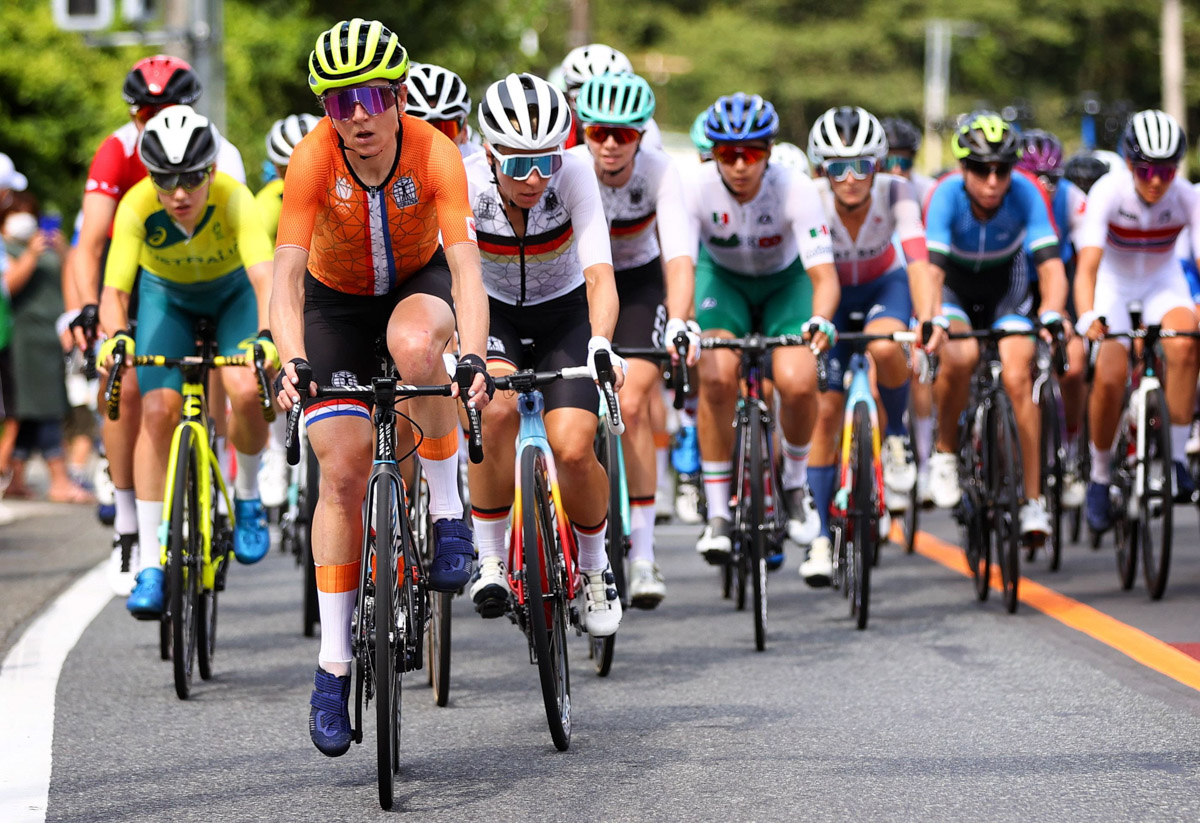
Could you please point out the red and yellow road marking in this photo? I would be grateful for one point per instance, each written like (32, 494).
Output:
(1129, 641)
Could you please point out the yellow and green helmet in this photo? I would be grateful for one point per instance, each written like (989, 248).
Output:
(353, 52)
(986, 137)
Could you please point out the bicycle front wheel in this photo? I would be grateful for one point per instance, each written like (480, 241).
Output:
(1156, 497)
(864, 521)
(1004, 473)
(1053, 457)
(546, 594)
(389, 639)
(185, 545)
(756, 556)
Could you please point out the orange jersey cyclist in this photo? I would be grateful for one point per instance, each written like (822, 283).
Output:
(358, 257)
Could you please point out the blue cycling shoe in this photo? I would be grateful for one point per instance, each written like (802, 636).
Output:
(774, 558)
(329, 714)
(146, 600)
(685, 455)
(1098, 507)
(1185, 486)
(107, 513)
(453, 555)
(251, 539)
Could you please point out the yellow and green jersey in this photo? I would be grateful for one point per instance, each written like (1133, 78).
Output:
(270, 203)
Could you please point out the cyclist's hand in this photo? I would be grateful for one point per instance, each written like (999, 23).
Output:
(1092, 325)
(483, 385)
(820, 333)
(675, 327)
(108, 348)
(270, 353)
(598, 343)
(83, 326)
(1052, 323)
(939, 336)
(286, 393)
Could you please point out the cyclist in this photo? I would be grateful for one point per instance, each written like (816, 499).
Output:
(549, 277)
(642, 196)
(151, 85)
(790, 156)
(195, 237)
(358, 257)
(700, 139)
(1084, 169)
(584, 62)
(866, 209)
(979, 226)
(1126, 252)
(440, 97)
(764, 263)
(1042, 156)
(281, 140)
(904, 141)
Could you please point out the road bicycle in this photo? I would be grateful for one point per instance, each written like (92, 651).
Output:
(295, 528)
(759, 524)
(196, 538)
(387, 627)
(543, 573)
(1050, 364)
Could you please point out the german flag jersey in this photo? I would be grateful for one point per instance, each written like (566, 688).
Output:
(564, 234)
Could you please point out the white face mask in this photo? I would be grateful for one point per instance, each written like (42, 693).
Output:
(20, 226)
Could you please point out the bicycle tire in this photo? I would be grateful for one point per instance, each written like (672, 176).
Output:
(545, 598)
(388, 673)
(1050, 406)
(739, 539)
(437, 627)
(756, 559)
(972, 510)
(911, 520)
(1126, 532)
(183, 567)
(1004, 468)
(614, 539)
(1156, 501)
(311, 494)
(864, 527)
(164, 635)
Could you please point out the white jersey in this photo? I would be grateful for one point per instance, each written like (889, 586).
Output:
(893, 212)
(922, 185)
(1185, 249)
(765, 236)
(645, 216)
(1138, 239)
(564, 234)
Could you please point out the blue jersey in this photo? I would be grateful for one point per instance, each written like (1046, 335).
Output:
(955, 236)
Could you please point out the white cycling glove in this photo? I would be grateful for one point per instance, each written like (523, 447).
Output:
(598, 343)
(674, 326)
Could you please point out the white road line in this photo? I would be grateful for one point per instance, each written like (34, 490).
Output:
(28, 685)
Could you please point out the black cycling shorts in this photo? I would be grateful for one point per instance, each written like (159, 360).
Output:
(341, 330)
(643, 318)
(559, 331)
(986, 296)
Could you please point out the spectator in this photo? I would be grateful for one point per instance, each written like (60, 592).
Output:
(34, 279)
(10, 180)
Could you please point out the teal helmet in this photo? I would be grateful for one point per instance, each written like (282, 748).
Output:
(623, 99)
(699, 138)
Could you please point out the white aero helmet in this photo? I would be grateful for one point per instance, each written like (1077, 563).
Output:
(435, 93)
(524, 112)
(1153, 136)
(285, 134)
(790, 156)
(846, 131)
(178, 139)
(585, 62)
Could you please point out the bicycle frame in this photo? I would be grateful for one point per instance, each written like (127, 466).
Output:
(623, 480)
(860, 392)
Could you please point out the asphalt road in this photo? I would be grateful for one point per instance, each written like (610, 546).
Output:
(944, 709)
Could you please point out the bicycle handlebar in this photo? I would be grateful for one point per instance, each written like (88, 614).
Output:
(607, 378)
(526, 380)
(680, 380)
(464, 375)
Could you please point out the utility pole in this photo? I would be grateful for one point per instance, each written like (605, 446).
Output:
(579, 33)
(938, 35)
(206, 37)
(1173, 63)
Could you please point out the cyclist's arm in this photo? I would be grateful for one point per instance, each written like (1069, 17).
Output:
(827, 289)
(1087, 263)
(1090, 242)
(302, 199)
(98, 212)
(595, 251)
(1041, 242)
(911, 231)
(114, 310)
(120, 270)
(287, 302)
(673, 237)
(470, 298)
(807, 216)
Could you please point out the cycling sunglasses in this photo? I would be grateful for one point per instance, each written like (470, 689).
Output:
(1148, 171)
(142, 114)
(838, 170)
(985, 170)
(621, 135)
(451, 128)
(727, 155)
(374, 99)
(521, 166)
(895, 161)
(188, 180)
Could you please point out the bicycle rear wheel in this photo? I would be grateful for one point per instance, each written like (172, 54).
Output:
(546, 594)
(183, 562)
(1004, 473)
(911, 520)
(308, 503)
(864, 527)
(972, 509)
(755, 559)
(1126, 532)
(389, 639)
(1156, 500)
(1053, 457)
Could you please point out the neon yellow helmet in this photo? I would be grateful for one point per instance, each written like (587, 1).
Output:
(353, 52)
(986, 137)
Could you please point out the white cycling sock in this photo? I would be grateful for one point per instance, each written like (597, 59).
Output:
(717, 479)
(442, 476)
(336, 609)
(126, 503)
(592, 555)
(1101, 464)
(1179, 439)
(641, 531)
(795, 464)
(149, 518)
(245, 485)
(490, 525)
(923, 434)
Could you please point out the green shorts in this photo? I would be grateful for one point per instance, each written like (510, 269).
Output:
(780, 302)
(167, 316)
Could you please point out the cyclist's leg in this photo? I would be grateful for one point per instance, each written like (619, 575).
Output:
(1170, 304)
(1016, 357)
(1106, 403)
(418, 331)
(956, 363)
(826, 438)
(722, 310)
(889, 308)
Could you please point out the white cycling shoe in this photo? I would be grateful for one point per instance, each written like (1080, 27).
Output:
(1034, 519)
(602, 606)
(943, 480)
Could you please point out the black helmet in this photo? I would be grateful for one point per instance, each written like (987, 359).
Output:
(901, 134)
(1084, 169)
(986, 137)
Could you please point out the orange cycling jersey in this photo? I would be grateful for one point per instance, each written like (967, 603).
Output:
(366, 239)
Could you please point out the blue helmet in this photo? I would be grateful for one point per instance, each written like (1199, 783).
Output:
(741, 116)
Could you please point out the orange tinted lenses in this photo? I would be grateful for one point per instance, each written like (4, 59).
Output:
(620, 134)
(729, 155)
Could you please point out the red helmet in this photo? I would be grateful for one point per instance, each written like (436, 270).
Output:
(161, 80)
